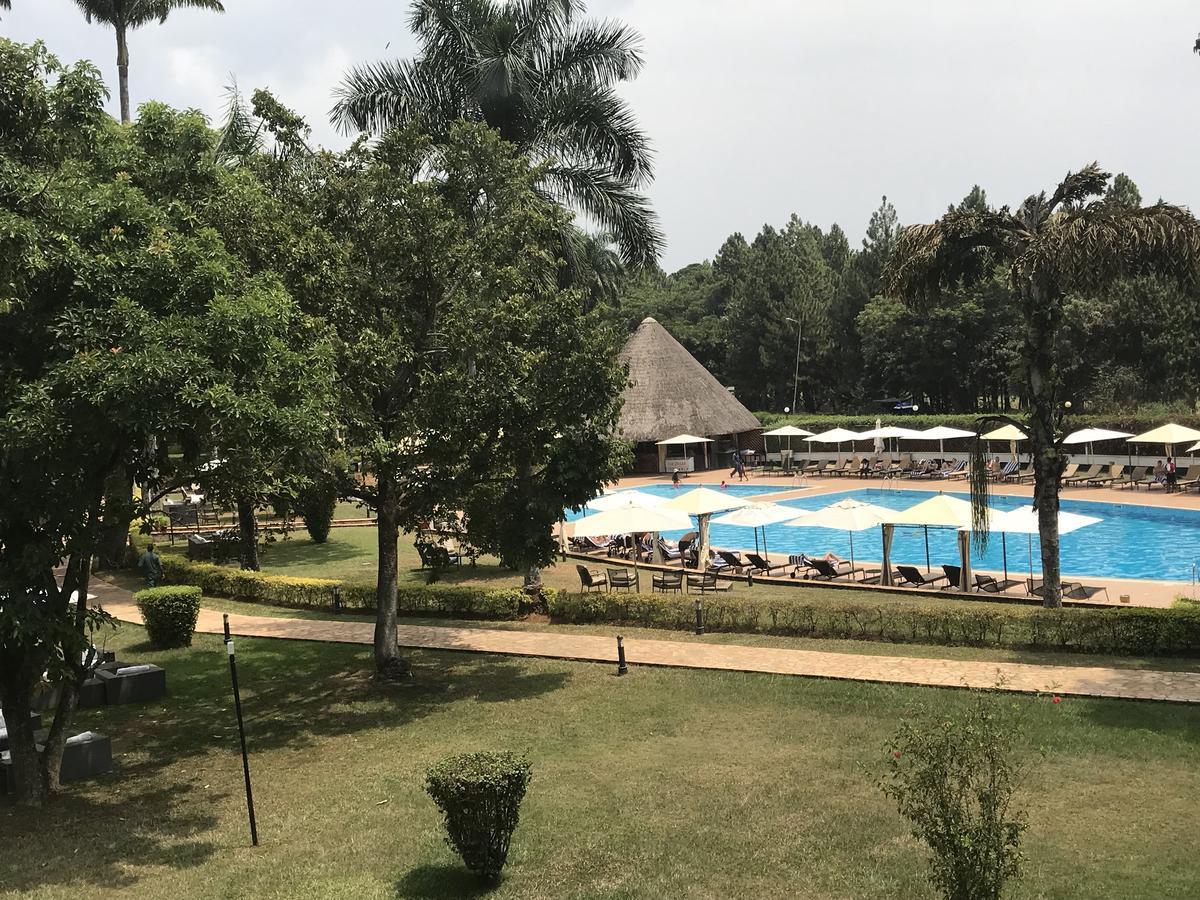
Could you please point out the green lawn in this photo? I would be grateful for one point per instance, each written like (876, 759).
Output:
(664, 783)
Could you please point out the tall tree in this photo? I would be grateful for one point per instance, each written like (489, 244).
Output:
(1123, 192)
(1050, 246)
(543, 78)
(126, 15)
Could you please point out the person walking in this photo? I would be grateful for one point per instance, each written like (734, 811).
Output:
(151, 565)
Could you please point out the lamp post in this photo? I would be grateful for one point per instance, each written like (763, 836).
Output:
(796, 372)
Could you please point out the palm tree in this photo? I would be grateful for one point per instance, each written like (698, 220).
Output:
(543, 78)
(594, 267)
(1050, 247)
(126, 15)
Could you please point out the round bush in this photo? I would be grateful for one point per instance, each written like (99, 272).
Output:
(316, 504)
(169, 614)
(480, 797)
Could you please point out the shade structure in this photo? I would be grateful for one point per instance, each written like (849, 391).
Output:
(1168, 435)
(617, 499)
(1024, 520)
(941, 434)
(628, 519)
(787, 431)
(845, 515)
(1194, 447)
(702, 503)
(834, 436)
(939, 511)
(893, 431)
(1006, 433)
(684, 439)
(1091, 435)
(757, 515)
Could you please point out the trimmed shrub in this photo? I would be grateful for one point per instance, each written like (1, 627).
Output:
(169, 614)
(316, 504)
(479, 795)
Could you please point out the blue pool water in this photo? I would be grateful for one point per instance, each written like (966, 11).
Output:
(1130, 541)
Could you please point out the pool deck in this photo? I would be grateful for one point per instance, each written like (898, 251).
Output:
(1141, 592)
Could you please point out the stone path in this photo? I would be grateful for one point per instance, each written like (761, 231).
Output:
(1137, 684)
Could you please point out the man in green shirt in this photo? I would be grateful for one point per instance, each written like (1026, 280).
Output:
(151, 565)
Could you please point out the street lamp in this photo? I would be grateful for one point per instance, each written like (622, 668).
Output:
(796, 373)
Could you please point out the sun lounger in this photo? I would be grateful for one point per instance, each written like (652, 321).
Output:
(992, 585)
(1069, 472)
(1092, 471)
(913, 577)
(1108, 476)
(953, 576)
(849, 467)
(826, 571)
(1010, 468)
(733, 560)
(1072, 590)
(1025, 470)
(761, 566)
(1132, 477)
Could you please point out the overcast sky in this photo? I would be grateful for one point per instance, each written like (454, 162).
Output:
(761, 108)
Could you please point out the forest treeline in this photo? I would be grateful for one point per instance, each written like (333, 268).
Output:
(740, 313)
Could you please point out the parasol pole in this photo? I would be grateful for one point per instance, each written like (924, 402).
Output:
(1004, 549)
(927, 567)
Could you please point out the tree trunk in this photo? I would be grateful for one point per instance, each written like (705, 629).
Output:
(388, 661)
(26, 772)
(248, 531)
(533, 574)
(123, 73)
(1041, 327)
(114, 529)
(69, 685)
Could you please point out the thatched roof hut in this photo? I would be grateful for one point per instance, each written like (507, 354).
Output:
(671, 393)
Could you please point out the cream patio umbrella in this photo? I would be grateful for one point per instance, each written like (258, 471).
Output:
(1010, 433)
(845, 515)
(939, 511)
(1024, 520)
(1168, 435)
(702, 503)
(756, 516)
(630, 518)
(685, 439)
(889, 432)
(789, 432)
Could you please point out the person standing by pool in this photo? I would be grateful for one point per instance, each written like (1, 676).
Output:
(675, 478)
(1172, 474)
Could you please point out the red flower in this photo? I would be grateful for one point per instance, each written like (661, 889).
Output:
(1057, 699)
(896, 753)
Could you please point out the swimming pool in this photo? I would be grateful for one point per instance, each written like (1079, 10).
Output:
(1130, 541)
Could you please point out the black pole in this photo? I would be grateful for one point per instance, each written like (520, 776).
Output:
(237, 703)
(699, 617)
(622, 668)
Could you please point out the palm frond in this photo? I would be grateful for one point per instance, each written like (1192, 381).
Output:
(377, 96)
(601, 52)
(585, 124)
(447, 30)
(241, 135)
(613, 204)
(953, 249)
(5, 4)
(1100, 243)
(1076, 187)
(541, 21)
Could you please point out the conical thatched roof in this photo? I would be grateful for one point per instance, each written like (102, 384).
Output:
(672, 393)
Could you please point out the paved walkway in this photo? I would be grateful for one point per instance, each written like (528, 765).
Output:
(1182, 687)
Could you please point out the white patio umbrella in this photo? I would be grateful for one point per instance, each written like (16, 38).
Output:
(1090, 435)
(1024, 520)
(890, 432)
(789, 432)
(702, 503)
(756, 516)
(834, 436)
(618, 499)
(685, 439)
(1010, 433)
(941, 434)
(845, 515)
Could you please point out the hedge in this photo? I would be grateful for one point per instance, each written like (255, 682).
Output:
(319, 593)
(1128, 631)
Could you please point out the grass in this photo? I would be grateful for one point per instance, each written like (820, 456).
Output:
(663, 783)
